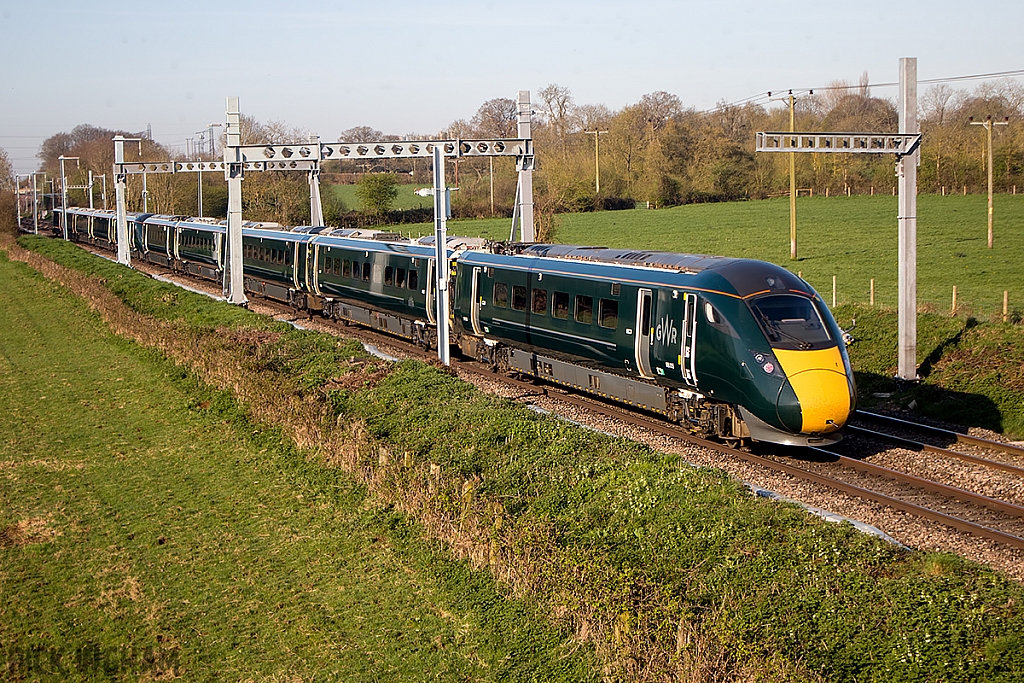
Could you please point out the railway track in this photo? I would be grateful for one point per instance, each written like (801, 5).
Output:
(987, 517)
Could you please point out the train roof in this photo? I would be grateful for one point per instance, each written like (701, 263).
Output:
(735, 276)
(692, 263)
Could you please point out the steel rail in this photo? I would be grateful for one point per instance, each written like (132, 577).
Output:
(954, 492)
(959, 436)
(928, 448)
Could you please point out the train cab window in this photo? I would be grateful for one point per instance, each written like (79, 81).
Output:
(500, 298)
(389, 275)
(366, 271)
(609, 314)
(518, 298)
(414, 279)
(584, 309)
(346, 268)
(540, 301)
(791, 321)
(400, 279)
(560, 305)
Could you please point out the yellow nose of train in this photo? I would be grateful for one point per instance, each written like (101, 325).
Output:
(822, 389)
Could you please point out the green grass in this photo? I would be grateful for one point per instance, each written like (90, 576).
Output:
(406, 199)
(666, 567)
(148, 527)
(853, 238)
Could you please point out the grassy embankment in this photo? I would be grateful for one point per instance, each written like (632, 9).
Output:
(149, 527)
(972, 364)
(662, 568)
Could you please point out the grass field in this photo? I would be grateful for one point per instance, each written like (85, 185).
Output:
(155, 524)
(149, 529)
(852, 238)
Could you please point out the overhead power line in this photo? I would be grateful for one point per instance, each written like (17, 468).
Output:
(766, 95)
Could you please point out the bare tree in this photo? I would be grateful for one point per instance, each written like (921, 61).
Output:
(6, 171)
(361, 134)
(659, 107)
(497, 118)
(557, 105)
(936, 103)
(591, 116)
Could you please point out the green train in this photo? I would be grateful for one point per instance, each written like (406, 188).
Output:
(736, 349)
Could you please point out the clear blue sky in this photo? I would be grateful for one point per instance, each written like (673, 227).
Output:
(404, 67)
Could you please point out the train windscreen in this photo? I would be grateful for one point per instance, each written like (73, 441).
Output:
(791, 322)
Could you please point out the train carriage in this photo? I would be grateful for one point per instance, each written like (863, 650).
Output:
(198, 247)
(732, 347)
(379, 280)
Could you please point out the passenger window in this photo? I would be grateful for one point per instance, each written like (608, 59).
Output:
(346, 268)
(366, 272)
(389, 275)
(560, 305)
(540, 301)
(400, 280)
(355, 270)
(262, 256)
(500, 298)
(609, 313)
(584, 309)
(337, 266)
(327, 264)
(414, 279)
(518, 298)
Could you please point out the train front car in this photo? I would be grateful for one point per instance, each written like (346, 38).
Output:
(733, 348)
(771, 347)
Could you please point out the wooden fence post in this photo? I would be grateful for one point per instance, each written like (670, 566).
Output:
(1006, 305)
(953, 310)
(872, 291)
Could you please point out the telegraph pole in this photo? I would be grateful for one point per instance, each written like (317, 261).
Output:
(792, 177)
(988, 123)
(597, 157)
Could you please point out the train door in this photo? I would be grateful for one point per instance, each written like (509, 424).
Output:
(295, 266)
(474, 315)
(312, 267)
(218, 247)
(431, 303)
(687, 362)
(642, 337)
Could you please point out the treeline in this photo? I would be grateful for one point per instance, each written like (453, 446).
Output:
(654, 151)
